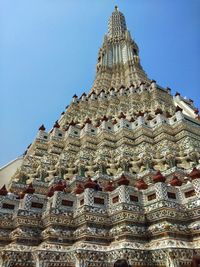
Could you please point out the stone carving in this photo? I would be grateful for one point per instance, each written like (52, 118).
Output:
(98, 186)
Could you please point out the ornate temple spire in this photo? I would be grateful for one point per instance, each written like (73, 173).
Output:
(90, 189)
(117, 24)
(118, 58)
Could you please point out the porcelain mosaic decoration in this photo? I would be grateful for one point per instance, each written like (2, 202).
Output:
(117, 176)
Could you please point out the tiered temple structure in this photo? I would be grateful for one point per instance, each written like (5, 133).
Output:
(118, 175)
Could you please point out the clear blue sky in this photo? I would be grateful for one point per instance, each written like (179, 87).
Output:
(48, 52)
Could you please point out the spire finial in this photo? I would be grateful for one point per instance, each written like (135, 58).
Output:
(116, 24)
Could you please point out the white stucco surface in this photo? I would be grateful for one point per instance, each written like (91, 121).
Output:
(7, 171)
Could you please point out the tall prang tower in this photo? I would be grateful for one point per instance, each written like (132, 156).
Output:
(118, 60)
(117, 176)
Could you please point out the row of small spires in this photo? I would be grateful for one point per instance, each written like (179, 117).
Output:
(122, 87)
(125, 89)
(123, 180)
(121, 116)
(116, 90)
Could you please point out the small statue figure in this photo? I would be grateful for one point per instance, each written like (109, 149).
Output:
(90, 168)
(112, 167)
(41, 172)
(136, 164)
(21, 177)
(159, 161)
(147, 163)
(183, 160)
(60, 170)
(51, 173)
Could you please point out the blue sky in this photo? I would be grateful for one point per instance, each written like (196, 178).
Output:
(48, 52)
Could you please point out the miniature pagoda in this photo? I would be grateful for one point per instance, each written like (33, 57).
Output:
(117, 176)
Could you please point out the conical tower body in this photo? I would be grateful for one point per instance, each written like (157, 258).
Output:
(118, 60)
(117, 176)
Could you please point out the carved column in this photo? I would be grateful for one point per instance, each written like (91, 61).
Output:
(1, 260)
(80, 261)
(196, 184)
(161, 191)
(6, 259)
(38, 260)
